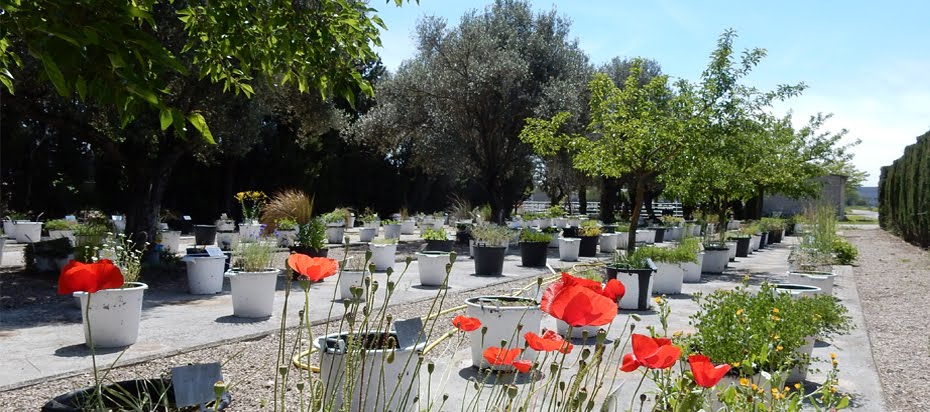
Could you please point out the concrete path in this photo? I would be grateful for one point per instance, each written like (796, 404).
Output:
(39, 344)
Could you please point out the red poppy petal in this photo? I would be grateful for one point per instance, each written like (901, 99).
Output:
(108, 276)
(466, 324)
(664, 358)
(498, 356)
(705, 373)
(662, 341)
(614, 290)
(542, 343)
(76, 279)
(630, 363)
(644, 346)
(299, 262)
(579, 306)
(523, 365)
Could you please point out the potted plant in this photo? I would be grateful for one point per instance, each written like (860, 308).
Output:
(673, 227)
(253, 279)
(88, 237)
(61, 228)
(408, 225)
(285, 231)
(311, 239)
(156, 394)
(204, 273)
(716, 256)
(26, 231)
(743, 244)
(437, 240)
(382, 375)
(170, 240)
(204, 235)
(534, 246)
(371, 219)
(822, 280)
(622, 231)
(589, 232)
(335, 226)
(504, 319)
(490, 245)
(225, 224)
(569, 248)
(557, 214)
(634, 271)
(669, 274)
(432, 266)
(391, 229)
(354, 278)
(383, 252)
(112, 308)
(692, 268)
(251, 203)
(48, 255)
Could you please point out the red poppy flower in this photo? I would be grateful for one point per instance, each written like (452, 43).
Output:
(312, 269)
(653, 353)
(498, 356)
(614, 290)
(89, 277)
(523, 365)
(548, 342)
(466, 324)
(705, 373)
(578, 302)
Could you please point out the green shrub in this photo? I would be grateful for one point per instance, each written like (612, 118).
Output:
(844, 251)
(632, 261)
(286, 224)
(312, 234)
(589, 228)
(60, 224)
(666, 255)
(530, 236)
(491, 235)
(435, 234)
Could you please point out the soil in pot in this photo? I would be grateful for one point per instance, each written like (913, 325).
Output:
(571, 231)
(533, 254)
(489, 260)
(116, 394)
(439, 245)
(204, 234)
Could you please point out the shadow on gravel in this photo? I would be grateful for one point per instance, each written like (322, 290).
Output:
(237, 320)
(489, 377)
(81, 350)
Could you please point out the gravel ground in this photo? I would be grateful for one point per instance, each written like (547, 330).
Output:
(893, 278)
(249, 366)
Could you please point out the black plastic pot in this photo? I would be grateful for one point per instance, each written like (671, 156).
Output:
(764, 241)
(462, 236)
(742, 246)
(609, 228)
(204, 234)
(533, 254)
(134, 389)
(571, 231)
(778, 235)
(588, 247)
(660, 233)
(439, 245)
(642, 275)
(489, 260)
(309, 251)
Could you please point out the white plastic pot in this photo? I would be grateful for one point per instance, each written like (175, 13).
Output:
(114, 315)
(715, 260)
(334, 234)
(672, 233)
(171, 240)
(408, 227)
(205, 274)
(692, 270)
(635, 289)
(384, 380)
(646, 235)
(374, 224)
(822, 280)
(609, 242)
(754, 242)
(2, 246)
(9, 228)
(392, 231)
(732, 254)
(505, 323)
(227, 240)
(568, 248)
(799, 372)
(349, 279)
(668, 279)
(286, 237)
(350, 222)
(250, 232)
(561, 222)
(253, 293)
(554, 242)
(367, 234)
(623, 240)
(28, 232)
(382, 255)
(225, 225)
(796, 290)
(432, 267)
(119, 226)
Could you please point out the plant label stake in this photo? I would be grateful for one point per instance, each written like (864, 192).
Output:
(409, 332)
(193, 384)
(214, 251)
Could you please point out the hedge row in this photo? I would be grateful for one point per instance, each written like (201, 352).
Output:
(904, 194)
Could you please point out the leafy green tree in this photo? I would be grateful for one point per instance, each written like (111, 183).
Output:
(458, 106)
(635, 130)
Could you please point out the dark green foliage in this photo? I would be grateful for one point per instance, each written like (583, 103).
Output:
(904, 194)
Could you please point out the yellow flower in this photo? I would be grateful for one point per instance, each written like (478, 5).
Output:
(833, 355)
(779, 348)
(775, 337)
(676, 334)
(739, 312)
(658, 300)
(774, 310)
(754, 387)
(833, 389)
(797, 386)
(775, 392)
(744, 382)
(775, 318)
(735, 364)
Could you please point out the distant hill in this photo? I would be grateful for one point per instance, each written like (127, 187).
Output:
(869, 194)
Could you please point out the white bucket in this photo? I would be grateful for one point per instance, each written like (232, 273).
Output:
(569, 248)
(367, 234)
(253, 293)
(349, 279)
(205, 274)
(609, 242)
(668, 279)
(114, 315)
(382, 255)
(432, 267)
(28, 232)
(171, 240)
(503, 324)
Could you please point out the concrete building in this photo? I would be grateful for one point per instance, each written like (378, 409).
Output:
(833, 192)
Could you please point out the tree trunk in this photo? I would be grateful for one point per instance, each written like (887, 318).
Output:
(639, 194)
(608, 200)
(583, 200)
(146, 190)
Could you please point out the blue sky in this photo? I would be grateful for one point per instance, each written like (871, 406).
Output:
(867, 62)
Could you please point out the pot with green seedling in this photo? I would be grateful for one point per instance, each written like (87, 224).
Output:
(354, 278)
(335, 226)
(589, 232)
(569, 248)
(437, 239)
(635, 272)
(669, 274)
(534, 246)
(391, 229)
(311, 239)
(253, 279)
(716, 256)
(285, 231)
(61, 228)
(490, 246)
(553, 233)
(432, 266)
(692, 268)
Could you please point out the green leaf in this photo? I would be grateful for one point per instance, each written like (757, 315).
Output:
(144, 93)
(844, 403)
(81, 86)
(116, 61)
(247, 89)
(54, 74)
(200, 123)
(165, 118)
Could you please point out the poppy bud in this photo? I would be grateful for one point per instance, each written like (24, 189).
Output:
(409, 259)
(585, 353)
(389, 271)
(430, 367)
(512, 391)
(636, 317)
(452, 257)
(390, 357)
